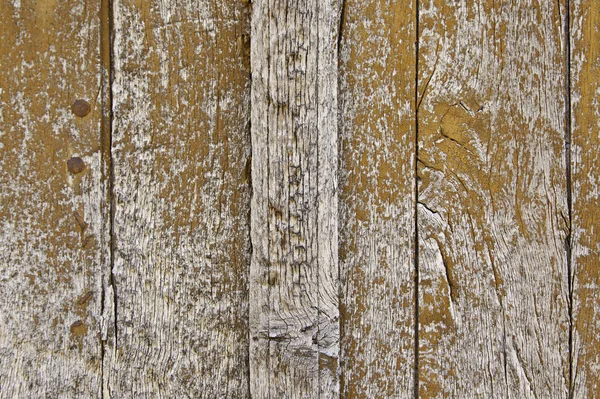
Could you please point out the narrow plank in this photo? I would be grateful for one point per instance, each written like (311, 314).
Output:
(294, 314)
(53, 241)
(377, 193)
(585, 163)
(492, 212)
(181, 149)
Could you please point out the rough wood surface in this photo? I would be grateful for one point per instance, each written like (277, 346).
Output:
(181, 151)
(493, 214)
(585, 94)
(377, 197)
(294, 317)
(178, 234)
(52, 221)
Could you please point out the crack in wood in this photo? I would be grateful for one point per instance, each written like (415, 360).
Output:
(417, 106)
(105, 90)
(568, 172)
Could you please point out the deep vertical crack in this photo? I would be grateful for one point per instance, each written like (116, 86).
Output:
(569, 238)
(248, 172)
(106, 124)
(340, 37)
(341, 27)
(416, 216)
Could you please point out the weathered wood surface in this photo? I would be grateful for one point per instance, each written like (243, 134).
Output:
(585, 163)
(53, 236)
(201, 246)
(493, 213)
(181, 150)
(294, 316)
(377, 197)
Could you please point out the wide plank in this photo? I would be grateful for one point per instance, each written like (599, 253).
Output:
(377, 198)
(294, 313)
(493, 217)
(181, 153)
(585, 168)
(54, 242)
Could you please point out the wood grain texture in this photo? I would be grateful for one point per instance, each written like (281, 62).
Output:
(53, 241)
(377, 198)
(585, 94)
(181, 149)
(294, 316)
(493, 216)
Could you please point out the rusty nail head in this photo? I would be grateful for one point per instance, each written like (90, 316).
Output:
(75, 165)
(81, 108)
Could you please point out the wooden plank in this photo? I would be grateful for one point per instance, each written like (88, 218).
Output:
(53, 241)
(377, 198)
(181, 150)
(294, 315)
(585, 163)
(492, 212)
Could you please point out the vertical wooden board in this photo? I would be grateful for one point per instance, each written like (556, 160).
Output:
(377, 198)
(585, 94)
(53, 241)
(492, 212)
(181, 150)
(294, 316)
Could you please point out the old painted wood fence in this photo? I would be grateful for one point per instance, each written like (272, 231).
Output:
(299, 199)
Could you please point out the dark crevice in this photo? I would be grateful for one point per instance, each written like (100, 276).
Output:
(113, 244)
(341, 25)
(102, 343)
(504, 354)
(437, 57)
(431, 210)
(449, 280)
(340, 37)
(417, 104)
(112, 182)
(250, 254)
(443, 134)
(568, 136)
(107, 174)
(248, 176)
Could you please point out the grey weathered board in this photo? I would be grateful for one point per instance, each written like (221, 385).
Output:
(493, 212)
(294, 316)
(180, 150)
(303, 199)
